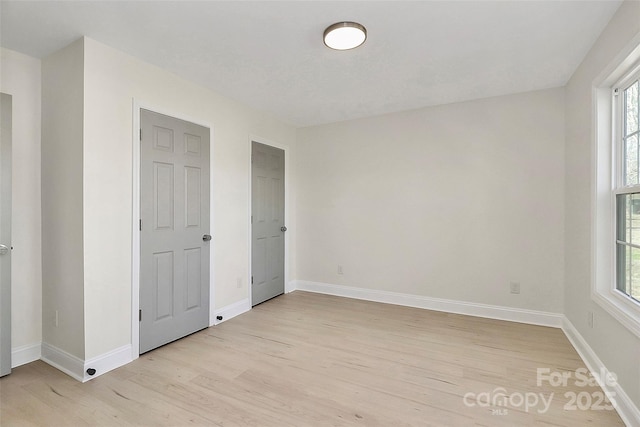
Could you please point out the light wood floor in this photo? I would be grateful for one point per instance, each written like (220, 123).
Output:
(313, 360)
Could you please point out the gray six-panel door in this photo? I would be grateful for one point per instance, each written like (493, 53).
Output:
(5, 234)
(267, 219)
(174, 236)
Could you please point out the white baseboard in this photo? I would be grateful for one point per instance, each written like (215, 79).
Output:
(77, 368)
(60, 359)
(532, 317)
(107, 362)
(25, 354)
(232, 310)
(290, 286)
(627, 410)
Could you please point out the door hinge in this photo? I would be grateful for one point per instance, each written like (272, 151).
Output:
(252, 280)
(140, 134)
(140, 315)
(140, 225)
(251, 219)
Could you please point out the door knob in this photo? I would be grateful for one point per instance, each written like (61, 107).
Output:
(206, 237)
(4, 250)
(283, 228)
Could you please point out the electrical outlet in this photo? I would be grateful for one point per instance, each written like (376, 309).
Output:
(340, 270)
(590, 319)
(239, 282)
(514, 287)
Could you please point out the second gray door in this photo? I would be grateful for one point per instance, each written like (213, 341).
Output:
(174, 236)
(267, 219)
(5, 234)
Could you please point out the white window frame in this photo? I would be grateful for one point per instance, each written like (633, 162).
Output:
(619, 155)
(607, 156)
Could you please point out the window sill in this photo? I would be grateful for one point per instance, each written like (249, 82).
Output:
(621, 308)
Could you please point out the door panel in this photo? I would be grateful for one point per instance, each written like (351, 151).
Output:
(163, 195)
(193, 277)
(193, 196)
(267, 204)
(174, 206)
(5, 234)
(163, 284)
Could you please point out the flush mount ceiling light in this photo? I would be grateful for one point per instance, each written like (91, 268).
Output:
(344, 35)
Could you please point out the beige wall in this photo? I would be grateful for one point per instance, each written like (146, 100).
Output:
(20, 77)
(112, 81)
(62, 221)
(452, 202)
(616, 346)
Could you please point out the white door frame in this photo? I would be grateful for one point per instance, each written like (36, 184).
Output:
(287, 206)
(135, 217)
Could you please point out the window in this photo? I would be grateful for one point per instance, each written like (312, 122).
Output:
(627, 190)
(616, 209)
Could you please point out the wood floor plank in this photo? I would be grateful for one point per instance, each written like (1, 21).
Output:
(306, 359)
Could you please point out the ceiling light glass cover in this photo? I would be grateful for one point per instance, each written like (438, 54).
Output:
(345, 35)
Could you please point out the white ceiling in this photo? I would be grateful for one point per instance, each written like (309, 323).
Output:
(270, 54)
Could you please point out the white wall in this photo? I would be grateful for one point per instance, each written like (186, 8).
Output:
(62, 246)
(452, 202)
(112, 80)
(618, 349)
(20, 77)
